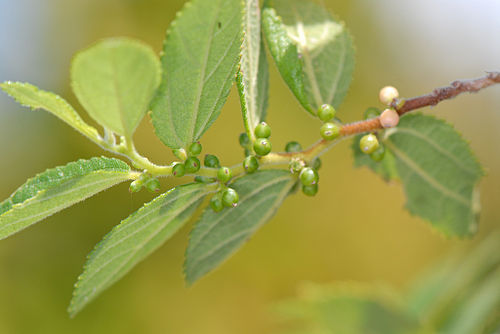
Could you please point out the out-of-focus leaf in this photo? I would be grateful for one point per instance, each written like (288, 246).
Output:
(200, 58)
(325, 50)
(216, 236)
(135, 238)
(57, 189)
(115, 81)
(349, 309)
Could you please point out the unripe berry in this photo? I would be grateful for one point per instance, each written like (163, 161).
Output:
(326, 112)
(316, 164)
(244, 140)
(389, 118)
(330, 131)
(192, 165)
(387, 94)
(135, 186)
(296, 165)
(152, 185)
(310, 190)
(251, 164)
(372, 113)
(369, 143)
(262, 146)
(292, 147)
(195, 148)
(216, 203)
(262, 130)
(309, 176)
(211, 161)
(224, 174)
(178, 170)
(230, 197)
(378, 154)
(180, 153)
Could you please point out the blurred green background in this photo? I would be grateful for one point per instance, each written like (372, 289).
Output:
(355, 229)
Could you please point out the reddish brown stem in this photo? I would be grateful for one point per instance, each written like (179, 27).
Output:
(402, 106)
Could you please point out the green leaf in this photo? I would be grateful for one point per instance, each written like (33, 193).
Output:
(385, 168)
(324, 46)
(438, 171)
(57, 189)
(216, 236)
(135, 238)
(253, 74)
(349, 308)
(481, 308)
(200, 59)
(285, 54)
(34, 98)
(450, 287)
(115, 80)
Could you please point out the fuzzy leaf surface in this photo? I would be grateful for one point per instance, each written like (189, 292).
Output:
(135, 238)
(115, 81)
(216, 236)
(325, 49)
(57, 189)
(438, 171)
(253, 74)
(35, 98)
(200, 58)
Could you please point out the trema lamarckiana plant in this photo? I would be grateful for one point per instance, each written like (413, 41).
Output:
(210, 46)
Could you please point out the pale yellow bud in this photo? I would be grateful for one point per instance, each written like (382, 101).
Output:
(387, 94)
(389, 118)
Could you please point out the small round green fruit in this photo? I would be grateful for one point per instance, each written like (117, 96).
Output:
(250, 164)
(230, 197)
(311, 190)
(309, 176)
(262, 130)
(369, 143)
(262, 146)
(326, 112)
(330, 131)
(224, 174)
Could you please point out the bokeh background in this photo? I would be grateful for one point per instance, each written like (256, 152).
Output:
(355, 229)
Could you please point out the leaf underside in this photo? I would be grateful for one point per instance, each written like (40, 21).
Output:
(326, 49)
(200, 59)
(115, 80)
(216, 236)
(439, 173)
(57, 189)
(135, 238)
(285, 54)
(253, 74)
(35, 98)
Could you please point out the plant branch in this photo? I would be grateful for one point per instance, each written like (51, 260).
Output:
(402, 106)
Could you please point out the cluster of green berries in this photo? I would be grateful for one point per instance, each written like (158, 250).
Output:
(308, 175)
(191, 163)
(152, 184)
(250, 163)
(227, 197)
(329, 130)
(262, 145)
